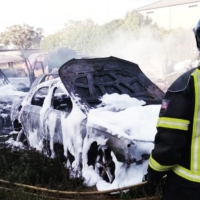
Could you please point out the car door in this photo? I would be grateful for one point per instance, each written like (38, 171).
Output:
(31, 117)
(61, 106)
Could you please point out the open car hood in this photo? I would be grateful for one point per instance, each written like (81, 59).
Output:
(90, 79)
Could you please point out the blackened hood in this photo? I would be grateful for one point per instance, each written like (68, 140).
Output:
(90, 79)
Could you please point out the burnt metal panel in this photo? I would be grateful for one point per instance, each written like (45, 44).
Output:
(90, 79)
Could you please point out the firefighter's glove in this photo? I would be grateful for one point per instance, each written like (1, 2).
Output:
(150, 188)
(153, 179)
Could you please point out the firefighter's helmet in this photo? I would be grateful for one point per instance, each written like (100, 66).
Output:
(197, 34)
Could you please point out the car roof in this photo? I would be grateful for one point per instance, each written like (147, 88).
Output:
(41, 78)
(45, 84)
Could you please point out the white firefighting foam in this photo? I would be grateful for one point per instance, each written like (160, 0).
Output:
(121, 116)
(9, 93)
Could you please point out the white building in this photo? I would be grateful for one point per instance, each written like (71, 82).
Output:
(172, 14)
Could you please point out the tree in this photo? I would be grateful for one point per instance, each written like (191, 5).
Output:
(85, 36)
(22, 36)
(134, 20)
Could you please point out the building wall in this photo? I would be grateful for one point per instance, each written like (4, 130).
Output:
(185, 16)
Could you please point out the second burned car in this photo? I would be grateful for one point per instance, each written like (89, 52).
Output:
(54, 114)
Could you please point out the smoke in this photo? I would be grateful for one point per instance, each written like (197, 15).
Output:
(58, 57)
(156, 54)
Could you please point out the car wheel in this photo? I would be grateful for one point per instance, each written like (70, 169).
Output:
(21, 137)
(105, 165)
(1, 122)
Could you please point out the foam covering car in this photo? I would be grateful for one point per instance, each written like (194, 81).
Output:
(53, 115)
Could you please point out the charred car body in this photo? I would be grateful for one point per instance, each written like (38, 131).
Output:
(54, 114)
(17, 76)
(14, 81)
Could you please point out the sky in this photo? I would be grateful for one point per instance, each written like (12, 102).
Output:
(120, 115)
(51, 15)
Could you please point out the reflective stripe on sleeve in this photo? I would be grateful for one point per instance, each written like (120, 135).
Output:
(187, 174)
(157, 167)
(195, 148)
(173, 123)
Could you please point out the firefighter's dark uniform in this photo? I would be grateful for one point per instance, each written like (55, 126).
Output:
(177, 142)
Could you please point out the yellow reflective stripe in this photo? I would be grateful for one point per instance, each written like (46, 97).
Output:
(173, 123)
(187, 174)
(156, 166)
(195, 147)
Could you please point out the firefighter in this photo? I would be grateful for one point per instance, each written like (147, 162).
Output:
(177, 142)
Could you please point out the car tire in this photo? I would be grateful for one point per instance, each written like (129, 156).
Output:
(21, 137)
(1, 123)
(105, 165)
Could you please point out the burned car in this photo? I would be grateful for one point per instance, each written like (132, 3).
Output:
(14, 82)
(53, 116)
(15, 112)
(17, 76)
(12, 72)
